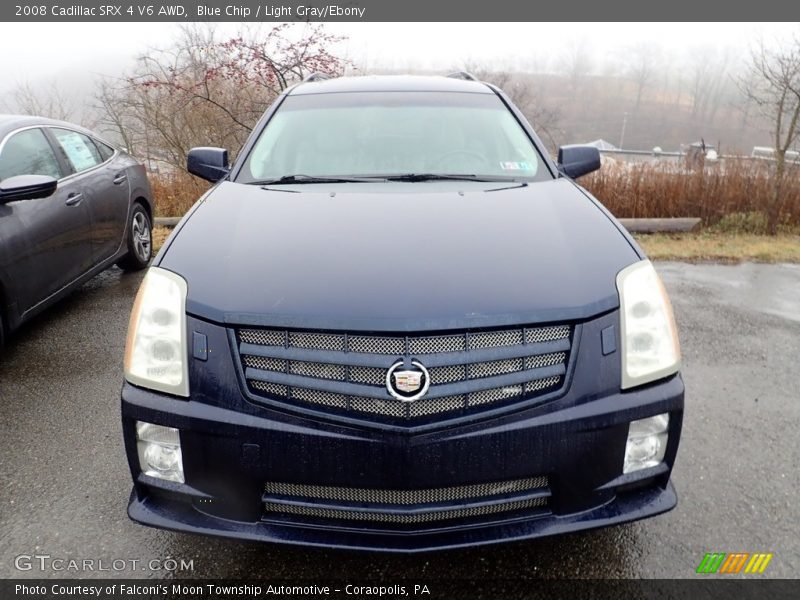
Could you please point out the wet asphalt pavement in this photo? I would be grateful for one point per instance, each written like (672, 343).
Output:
(64, 481)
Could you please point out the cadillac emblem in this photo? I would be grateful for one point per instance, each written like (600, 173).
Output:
(407, 384)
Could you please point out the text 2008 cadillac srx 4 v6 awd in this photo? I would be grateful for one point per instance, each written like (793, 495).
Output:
(396, 324)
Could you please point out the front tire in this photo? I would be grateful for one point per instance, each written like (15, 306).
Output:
(140, 241)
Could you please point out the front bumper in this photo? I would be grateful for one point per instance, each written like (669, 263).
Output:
(179, 516)
(231, 448)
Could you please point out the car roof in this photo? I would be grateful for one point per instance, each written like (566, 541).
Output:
(390, 83)
(9, 123)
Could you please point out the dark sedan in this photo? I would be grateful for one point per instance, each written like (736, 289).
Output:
(71, 205)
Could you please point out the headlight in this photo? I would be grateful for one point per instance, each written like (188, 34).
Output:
(650, 348)
(155, 353)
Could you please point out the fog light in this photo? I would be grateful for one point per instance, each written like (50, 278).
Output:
(159, 451)
(647, 442)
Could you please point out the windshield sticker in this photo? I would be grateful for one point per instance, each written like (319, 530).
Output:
(516, 166)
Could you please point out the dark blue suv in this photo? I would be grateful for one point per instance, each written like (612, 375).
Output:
(396, 324)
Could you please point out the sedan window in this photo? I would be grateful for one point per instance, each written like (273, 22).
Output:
(105, 150)
(79, 149)
(28, 153)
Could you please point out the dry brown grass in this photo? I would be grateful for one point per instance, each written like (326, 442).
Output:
(667, 190)
(175, 193)
(721, 247)
(160, 235)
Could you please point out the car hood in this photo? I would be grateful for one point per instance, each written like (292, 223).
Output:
(403, 257)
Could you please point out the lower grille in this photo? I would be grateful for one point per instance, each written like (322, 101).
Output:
(405, 497)
(408, 518)
(405, 507)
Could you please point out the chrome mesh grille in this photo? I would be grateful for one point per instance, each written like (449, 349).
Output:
(545, 334)
(376, 345)
(541, 384)
(495, 339)
(493, 395)
(432, 407)
(448, 374)
(407, 497)
(495, 367)
(370, 375)
(544, 360)
(322, 512)
(405, 507)
(379, 407)
(318, 397)
(438, 344)
(396, 345)
(260, 350)
(318, 370)
(270, 388)
(316, 341)
(264, 363)
(264, 337)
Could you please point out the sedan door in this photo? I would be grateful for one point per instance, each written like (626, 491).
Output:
(47, 241)
(106, 188)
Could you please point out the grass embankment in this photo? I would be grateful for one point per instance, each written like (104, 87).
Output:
(721, 247)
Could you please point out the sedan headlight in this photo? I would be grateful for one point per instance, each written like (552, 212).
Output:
(155, 353)
(650, 348)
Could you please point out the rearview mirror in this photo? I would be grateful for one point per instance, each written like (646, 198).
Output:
(209, 163)
(26, 187)
(576, 160)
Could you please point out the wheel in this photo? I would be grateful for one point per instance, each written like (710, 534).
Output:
(140, 241)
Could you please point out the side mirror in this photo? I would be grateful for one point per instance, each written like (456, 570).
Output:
(26, 187)
(576, 160)
(209, 163)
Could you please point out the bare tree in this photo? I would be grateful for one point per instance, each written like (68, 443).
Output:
(709, 72)
(774, 87)
(203, 90)
(578, 64)
(49, 100)
(642, 68)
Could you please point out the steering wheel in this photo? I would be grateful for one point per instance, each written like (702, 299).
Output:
(473, 156)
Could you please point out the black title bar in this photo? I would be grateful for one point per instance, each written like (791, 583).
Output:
(264, 11)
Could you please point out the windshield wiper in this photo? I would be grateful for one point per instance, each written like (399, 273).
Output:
(295, 179)
(414, 177)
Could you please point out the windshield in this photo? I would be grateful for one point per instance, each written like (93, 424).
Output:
(367, 134)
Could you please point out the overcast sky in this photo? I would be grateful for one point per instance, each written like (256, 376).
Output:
(37, 52)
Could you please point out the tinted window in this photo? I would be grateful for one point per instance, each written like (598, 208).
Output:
(105, 150)
(79, 149)
(386, 133)
(28, 153)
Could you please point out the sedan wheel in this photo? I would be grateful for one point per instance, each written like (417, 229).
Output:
(140, 230)
(140, 241)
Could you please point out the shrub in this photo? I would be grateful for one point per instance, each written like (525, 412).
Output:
(738, 187)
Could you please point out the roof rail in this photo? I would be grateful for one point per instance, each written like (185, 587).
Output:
(316, 77)
(463, 75)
